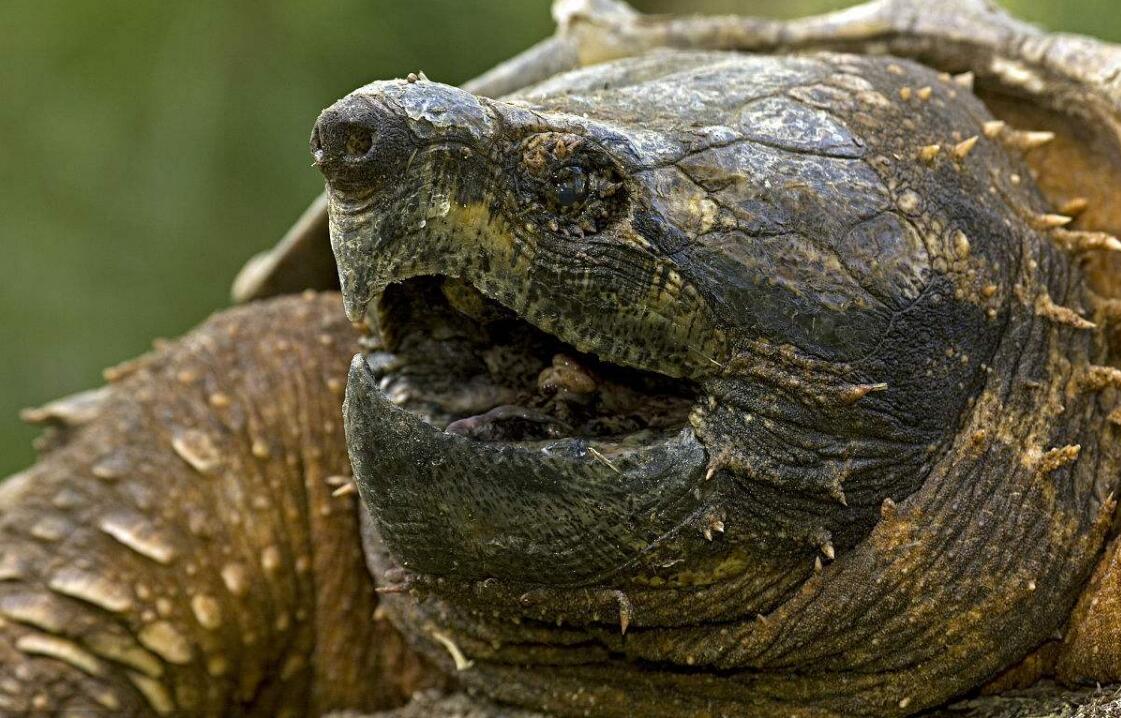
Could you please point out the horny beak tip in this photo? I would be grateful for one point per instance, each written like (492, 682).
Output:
(355, 311)
(360, 379)
(356, 298)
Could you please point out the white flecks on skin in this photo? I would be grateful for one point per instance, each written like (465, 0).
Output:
(92, 588)
(60, 649)
(233, 575)
(197, 449)
(261, 449)
(270, 559)
(137, 533)
(165, 641)
(153, 692)
(208, 612)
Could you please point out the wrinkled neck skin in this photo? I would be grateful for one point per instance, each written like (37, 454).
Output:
(896, 474)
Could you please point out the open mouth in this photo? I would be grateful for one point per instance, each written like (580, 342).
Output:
(470, 366)
(486, 447)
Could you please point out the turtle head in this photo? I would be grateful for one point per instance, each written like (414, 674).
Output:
(685, 339)
(542, 355)
(738, 290)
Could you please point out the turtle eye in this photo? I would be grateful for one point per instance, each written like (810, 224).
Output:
(565, 185)
(570, 187)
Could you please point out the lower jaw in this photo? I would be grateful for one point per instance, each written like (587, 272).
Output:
(527, 505)
(560, 512)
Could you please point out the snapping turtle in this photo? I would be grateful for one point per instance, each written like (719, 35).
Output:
(690, 383)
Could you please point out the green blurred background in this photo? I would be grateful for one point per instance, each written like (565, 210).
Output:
(149, 147)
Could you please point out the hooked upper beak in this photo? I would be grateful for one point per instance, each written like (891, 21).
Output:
(363, 144)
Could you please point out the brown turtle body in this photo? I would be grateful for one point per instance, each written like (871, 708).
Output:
(696, 383)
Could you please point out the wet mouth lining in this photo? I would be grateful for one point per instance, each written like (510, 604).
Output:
(470, 366)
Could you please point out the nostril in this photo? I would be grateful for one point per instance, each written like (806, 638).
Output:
(359, 140)
(355, 141)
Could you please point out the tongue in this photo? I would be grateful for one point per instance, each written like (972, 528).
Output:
(510, 423)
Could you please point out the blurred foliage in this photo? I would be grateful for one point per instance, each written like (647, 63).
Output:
(150, 147)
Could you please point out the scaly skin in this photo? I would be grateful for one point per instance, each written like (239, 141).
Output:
(182, 553)
(1024, 541)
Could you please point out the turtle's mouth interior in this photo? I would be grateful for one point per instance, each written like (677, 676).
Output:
(471, 366)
